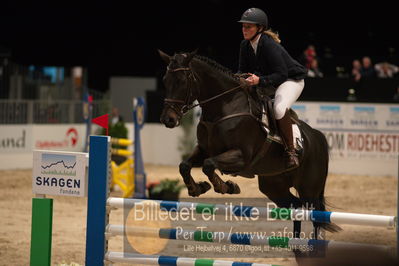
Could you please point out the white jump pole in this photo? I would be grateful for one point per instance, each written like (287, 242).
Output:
(263, 212)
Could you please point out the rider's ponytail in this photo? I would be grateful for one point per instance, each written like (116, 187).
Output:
(274, 35)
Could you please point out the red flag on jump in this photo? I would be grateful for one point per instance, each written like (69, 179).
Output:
(102, 121)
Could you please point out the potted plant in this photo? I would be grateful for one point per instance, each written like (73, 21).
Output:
(166, 189)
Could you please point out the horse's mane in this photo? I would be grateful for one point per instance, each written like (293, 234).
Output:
(217, 67)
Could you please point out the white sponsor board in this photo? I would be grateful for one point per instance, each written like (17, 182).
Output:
(59, 173)
(15, 139)
(363, 138)
(15, 146)
(65, 137)
(18, 141)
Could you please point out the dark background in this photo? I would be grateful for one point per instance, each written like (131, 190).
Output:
(122, 38)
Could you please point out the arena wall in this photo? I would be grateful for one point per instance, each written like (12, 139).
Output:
(363, 138)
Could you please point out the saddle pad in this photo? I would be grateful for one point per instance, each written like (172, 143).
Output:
(296, 133)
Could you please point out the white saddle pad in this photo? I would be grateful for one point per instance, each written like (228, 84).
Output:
(296, 133)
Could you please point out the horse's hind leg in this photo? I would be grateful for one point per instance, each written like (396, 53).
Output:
(195, 160)
(277, 189)
(230, 161)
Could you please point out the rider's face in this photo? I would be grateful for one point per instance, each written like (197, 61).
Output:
(249, 30)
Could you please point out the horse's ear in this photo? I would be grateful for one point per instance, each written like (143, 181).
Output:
(191, 55)
(164, 56)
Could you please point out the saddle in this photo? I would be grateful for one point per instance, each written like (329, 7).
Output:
(269, 124)
(267, 118)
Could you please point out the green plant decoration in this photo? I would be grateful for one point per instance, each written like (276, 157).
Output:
(167, 189)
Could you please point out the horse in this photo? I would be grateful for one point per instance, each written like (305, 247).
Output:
(231, 139)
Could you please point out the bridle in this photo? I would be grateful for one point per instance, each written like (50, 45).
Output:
(172, 103)
(185, 104)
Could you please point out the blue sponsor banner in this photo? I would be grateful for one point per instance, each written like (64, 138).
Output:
(300, 108)
(394, 109)
(368, 109)
(330, 108)
(329, 115)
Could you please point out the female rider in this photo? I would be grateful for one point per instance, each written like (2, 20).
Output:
(270, 65)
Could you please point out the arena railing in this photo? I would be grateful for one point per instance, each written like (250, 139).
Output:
(48, 112)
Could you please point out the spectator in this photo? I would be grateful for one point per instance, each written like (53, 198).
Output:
(356, 68)
(115, 117)
(386, 70)
(314, 71)
(308, 56)
(367, 70)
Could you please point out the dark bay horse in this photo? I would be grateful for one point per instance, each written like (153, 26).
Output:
(230, 137)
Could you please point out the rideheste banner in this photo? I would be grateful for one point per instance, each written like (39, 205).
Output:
(363, 138)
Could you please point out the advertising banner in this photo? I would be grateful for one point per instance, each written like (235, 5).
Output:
(15, 139)
(363, 138)
(67, 137)
(59, 173)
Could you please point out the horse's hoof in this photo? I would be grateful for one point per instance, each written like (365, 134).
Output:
(199, 189)
(194, 192)
(233, 187)
(218, 189)
(205, 186)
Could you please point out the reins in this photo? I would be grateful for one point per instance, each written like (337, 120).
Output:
(214, 97)
(186, 106)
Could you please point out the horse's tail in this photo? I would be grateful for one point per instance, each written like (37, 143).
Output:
(330, 227)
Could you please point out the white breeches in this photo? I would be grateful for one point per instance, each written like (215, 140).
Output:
(286, 94)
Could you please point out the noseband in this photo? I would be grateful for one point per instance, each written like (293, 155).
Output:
(186, 106)
(172, 103)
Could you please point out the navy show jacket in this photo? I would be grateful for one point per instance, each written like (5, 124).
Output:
(271, 63)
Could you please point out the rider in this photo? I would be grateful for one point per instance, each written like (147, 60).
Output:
(269, 65)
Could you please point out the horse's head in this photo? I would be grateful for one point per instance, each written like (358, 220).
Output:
(181, 92)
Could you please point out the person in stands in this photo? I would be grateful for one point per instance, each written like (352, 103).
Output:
(367, 70)
(386, 70)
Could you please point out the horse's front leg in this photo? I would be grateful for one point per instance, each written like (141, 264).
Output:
(231, 161)
(196, 159)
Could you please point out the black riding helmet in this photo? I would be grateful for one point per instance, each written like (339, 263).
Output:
(255, 16)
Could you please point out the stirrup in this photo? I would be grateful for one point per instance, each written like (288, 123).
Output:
(291, 159)
(291, 152)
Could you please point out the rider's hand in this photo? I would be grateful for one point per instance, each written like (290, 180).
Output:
(243, 75)
(245, 84)
(253, 80)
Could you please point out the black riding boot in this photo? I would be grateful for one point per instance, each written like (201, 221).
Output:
(285, 128)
